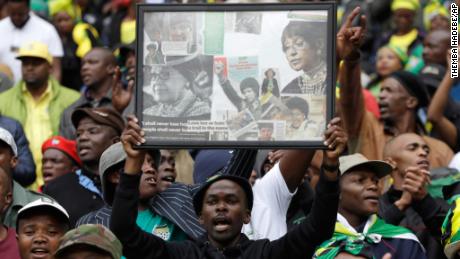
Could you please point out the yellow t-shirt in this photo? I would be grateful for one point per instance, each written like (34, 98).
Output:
(404, 41)
(37, 128)
(128, 31)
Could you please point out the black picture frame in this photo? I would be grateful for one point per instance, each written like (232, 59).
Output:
(190, 57)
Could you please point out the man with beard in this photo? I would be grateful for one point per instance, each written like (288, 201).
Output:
(37, 101)
(97, 129)
(407, 203)
(400, 97)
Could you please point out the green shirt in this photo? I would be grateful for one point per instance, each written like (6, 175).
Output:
(159, 226)
(21, 197)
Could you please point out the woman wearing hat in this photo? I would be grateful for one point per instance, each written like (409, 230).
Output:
(405, 35)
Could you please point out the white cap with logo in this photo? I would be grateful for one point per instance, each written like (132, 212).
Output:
(6, 137)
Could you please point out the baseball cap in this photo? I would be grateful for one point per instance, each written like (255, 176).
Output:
(43, 202)
(35, 49)
(357, 160)
(92, 235)
(69, 147)
(242, 182)
(103, 115)
(113, 155)
(6, 137)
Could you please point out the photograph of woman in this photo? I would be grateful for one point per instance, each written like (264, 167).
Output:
(304, 47)
(300, 127)
(269, 86)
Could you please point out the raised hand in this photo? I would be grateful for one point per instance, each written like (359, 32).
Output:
(336, 140)
(132, 136)
(121, 95)
(415, 181)
(275, 155)
(350, 38)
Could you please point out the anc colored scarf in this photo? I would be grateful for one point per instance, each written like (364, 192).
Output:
(347, 239)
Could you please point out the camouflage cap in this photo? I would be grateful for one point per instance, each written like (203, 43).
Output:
(92, 235)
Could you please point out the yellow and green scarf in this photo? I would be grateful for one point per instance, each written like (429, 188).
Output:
(347, 239)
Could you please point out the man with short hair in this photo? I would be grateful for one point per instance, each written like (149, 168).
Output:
(37, 101)
(435, 47)
(8, 162)
(97, 129)
(358, 230)
(23, 26)
(407, 203)
(400, 97)
(97, 68)
(89, 241)
(8, 243)
(443, 112)
(223, 205)
(39, 228)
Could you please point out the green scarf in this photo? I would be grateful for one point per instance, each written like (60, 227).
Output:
(346, 239)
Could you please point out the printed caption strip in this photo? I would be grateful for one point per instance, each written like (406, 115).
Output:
(454, 40)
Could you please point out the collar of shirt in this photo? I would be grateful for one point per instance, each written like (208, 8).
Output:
(93, 102)
(28, 96)
(20, 195)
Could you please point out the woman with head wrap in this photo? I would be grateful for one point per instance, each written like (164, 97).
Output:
(390, 58)
(77, 39)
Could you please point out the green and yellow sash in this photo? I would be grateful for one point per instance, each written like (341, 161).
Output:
(347, 239)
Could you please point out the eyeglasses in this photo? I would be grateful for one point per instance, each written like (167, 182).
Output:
(162, 75)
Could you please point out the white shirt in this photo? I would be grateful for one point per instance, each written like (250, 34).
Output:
(271, 202)
(455, 162)
(36, 29)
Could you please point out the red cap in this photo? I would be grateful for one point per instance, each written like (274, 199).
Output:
(69, 147)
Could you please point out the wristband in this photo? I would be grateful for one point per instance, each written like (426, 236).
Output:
(330, 168)
(355, 58)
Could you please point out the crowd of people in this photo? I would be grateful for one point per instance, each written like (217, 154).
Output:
(73, 183)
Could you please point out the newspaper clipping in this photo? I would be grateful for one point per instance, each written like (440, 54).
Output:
(234, 76)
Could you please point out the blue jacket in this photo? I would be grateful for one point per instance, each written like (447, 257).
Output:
(24, 173)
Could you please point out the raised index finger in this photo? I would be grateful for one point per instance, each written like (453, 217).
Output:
(363, 23)
(351, 16)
